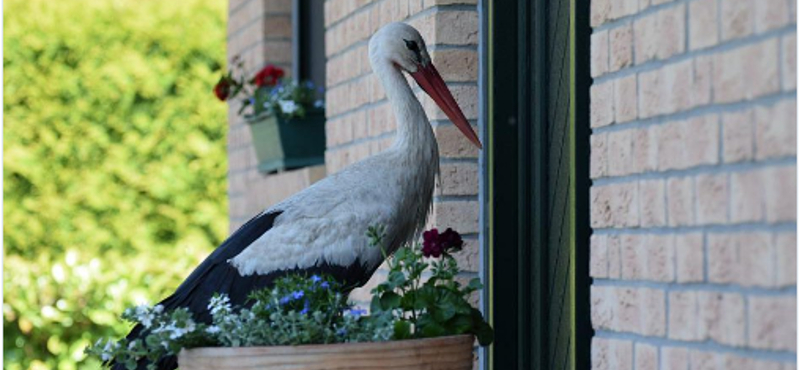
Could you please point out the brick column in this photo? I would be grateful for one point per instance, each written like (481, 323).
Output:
(361, 122)
(260, 33)
(693, 111)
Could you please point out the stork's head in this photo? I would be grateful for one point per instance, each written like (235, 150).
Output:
(403, 46)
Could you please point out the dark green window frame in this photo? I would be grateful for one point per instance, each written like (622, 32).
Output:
(537, 176)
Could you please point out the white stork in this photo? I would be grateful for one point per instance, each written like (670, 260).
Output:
(322, 229)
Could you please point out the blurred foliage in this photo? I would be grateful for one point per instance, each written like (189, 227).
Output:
(114, 165)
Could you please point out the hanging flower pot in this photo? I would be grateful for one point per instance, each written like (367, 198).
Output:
(451, 352)
(286, 117)
(284, 143)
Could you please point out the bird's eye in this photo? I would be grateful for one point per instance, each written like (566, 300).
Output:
(412, 45)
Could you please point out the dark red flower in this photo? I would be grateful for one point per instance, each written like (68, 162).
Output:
(268, 76)
(430, 244)
(451, 240)
(435, 244)
(222, 89)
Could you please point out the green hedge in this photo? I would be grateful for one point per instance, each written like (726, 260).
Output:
(114, 165)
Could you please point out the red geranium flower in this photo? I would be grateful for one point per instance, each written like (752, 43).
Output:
(223, 88)
(268, 76)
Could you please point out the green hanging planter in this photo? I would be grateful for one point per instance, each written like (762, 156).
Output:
(283, 144)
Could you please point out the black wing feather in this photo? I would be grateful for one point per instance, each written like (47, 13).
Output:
(216, 275)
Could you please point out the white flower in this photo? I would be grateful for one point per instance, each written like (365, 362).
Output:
(213, 329)
(319, 104)
(158, 309)
(287, 106)
(219, 304)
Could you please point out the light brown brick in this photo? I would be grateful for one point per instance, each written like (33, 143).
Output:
(625, 96)
(600, 11)
(456, 27)
(747, 197)
(773, 322)
(786, 250)
(776, 130)
(458, 179)
(646, 38)
(601, 104)
(763, 68)
(614, 243)
(680, 201)
(674, 358)
(614, 205)
(712, 199)
(622, 8)
(650, 90)
(652, 203)
(659, 256)
(737, 18)
(660, 35)
(653, 305)
(684, 318)
(738, 142)
(742, 258)
(633, 256)
(453, 144)
(702, 140)
(599, 53)
(703, 24)
(771, 14)
(598, 259)
(612, 354)
(702, 80)
(645, 149)
(646, 357)
(620, 158)
(689, 257)
(729, 76)
(598, 166)
(678, 87)
(789, 62)
(459, 215)
(722, 317)
(780, 188)
(602, 311)
(620, 47)
(456, 64)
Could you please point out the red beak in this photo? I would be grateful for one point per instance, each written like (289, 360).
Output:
(431, 82)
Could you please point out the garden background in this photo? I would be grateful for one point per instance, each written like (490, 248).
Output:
(114, 165)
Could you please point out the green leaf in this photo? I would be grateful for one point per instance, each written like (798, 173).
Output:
(402, 329)
(390, 301)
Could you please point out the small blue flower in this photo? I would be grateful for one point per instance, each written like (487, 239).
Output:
(325, 285)
(285, 300)
(306, 306)
(357, 312)
(309, 84)
(315, 278)
(298, 294)
(341, 332)
(252, 101)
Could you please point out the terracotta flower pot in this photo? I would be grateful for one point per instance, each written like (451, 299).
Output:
(451, 353)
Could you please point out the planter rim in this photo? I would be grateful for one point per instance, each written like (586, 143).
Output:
(327, 348)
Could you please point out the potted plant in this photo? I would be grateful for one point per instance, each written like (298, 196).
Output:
(286, 117)
(420, 318)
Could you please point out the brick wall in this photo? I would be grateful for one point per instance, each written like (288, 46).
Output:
(360, 120)
(260, 33)
(693, 203)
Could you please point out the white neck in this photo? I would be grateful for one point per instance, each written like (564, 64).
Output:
(413, 128)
